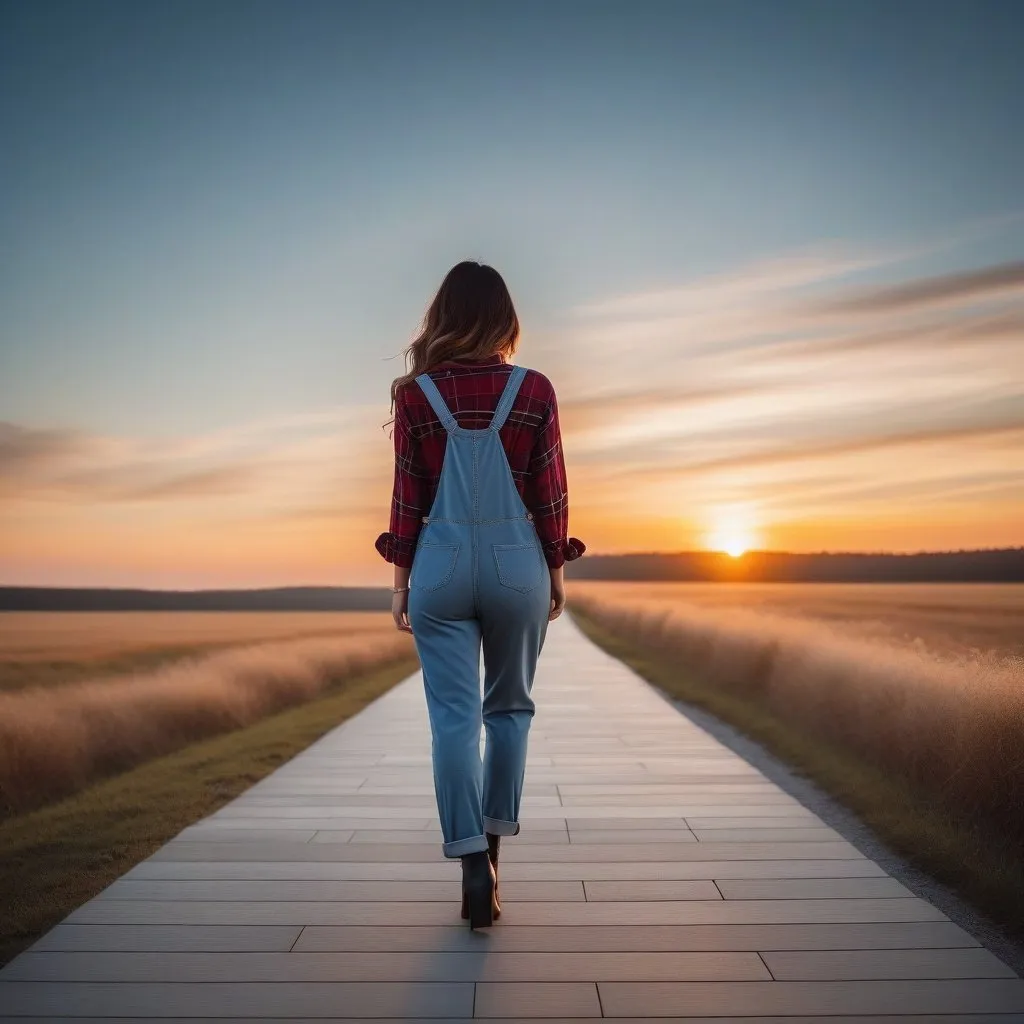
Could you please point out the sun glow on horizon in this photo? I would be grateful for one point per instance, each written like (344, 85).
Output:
(732, 532)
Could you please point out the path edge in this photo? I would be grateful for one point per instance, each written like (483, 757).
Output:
(845, 822)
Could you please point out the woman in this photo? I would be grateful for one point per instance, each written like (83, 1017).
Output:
(479, 516)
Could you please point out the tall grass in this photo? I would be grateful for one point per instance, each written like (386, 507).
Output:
(54, 741)
(57, 648)
(953, 730)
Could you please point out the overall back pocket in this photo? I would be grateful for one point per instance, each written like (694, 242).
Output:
(433, 565)
(520, 566)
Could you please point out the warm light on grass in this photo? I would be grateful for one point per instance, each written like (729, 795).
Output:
(55, 648)
(924, 745)
(57, 739)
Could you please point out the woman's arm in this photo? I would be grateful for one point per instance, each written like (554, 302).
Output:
(546, 495)
(408, 501)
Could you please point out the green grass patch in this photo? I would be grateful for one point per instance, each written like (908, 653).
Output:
(983, 868)
(55, 859)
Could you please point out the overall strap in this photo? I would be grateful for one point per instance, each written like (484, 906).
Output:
(429, 388)
(508, 397)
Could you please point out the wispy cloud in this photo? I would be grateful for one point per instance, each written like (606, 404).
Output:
(917, 487)
(1005, 280)
(595, 411)
(287, 463)
(777, 455)
(77, 466)
(24, 449)
(765, 280)
(200, 483)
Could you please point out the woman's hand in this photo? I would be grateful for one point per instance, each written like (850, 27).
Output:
(400, 611)
(557, 594)
(400, 600)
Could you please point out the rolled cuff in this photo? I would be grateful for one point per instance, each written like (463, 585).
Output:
(463, 847)
(498, 827)
(557, 553)
(395, 549)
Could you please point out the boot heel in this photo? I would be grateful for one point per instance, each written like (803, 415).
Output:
(493, 846)
(481, 907)
(478, 890)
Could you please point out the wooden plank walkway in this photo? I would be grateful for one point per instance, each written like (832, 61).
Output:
(658, 875)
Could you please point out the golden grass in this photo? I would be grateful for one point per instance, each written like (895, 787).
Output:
(50, 648)
(954, 729)
(56, 740)
(54, 859)
(947, 620)
(945, 732)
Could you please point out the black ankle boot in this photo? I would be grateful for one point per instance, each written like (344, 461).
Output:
(493, 845)
(478, 889)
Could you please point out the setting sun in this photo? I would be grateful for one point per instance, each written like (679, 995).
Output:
(732, 532)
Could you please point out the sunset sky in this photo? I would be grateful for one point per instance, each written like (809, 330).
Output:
(770, 254)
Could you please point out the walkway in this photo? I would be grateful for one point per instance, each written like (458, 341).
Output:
(658, 875)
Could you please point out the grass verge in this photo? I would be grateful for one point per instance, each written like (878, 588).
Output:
(983, 868)
(54, 859)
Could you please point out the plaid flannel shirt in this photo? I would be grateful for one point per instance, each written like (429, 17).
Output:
(531, 438)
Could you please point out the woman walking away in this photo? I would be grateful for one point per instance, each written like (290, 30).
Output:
(479, 516)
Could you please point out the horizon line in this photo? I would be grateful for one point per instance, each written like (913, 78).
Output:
(696, 552)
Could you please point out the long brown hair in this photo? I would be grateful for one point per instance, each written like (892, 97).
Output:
(471, 318)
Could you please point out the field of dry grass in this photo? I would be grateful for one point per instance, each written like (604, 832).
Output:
(864, 666)
(207, 674)
(922, 687)
(948, 620)
(50, 648)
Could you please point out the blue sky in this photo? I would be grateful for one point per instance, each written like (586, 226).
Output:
(224, 218)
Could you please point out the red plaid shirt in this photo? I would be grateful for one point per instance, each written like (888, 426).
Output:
(531, 439)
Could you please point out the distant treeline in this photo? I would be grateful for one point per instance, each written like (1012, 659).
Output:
(281, 599)
(994, 566)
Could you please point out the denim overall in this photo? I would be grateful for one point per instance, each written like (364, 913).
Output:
(479, 578)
